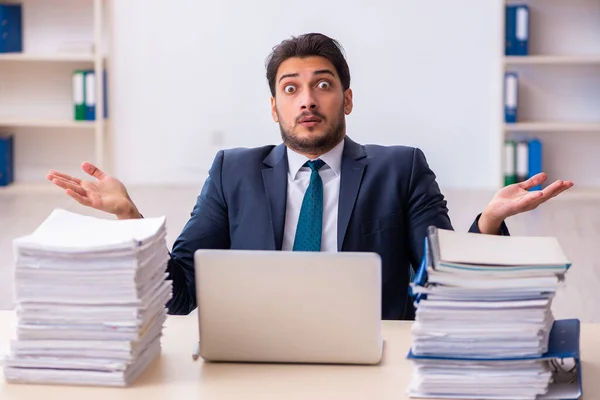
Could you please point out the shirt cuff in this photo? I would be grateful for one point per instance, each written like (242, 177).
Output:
(475, 227)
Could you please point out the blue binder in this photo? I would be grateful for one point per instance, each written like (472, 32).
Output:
(11, 28)
(90, 95)
(563, 344)
(516, 30)
(535, 160)
(511, 97)
(6, 160)
(91, 98)
(563, 356)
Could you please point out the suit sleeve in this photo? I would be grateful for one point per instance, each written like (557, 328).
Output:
(207, 228)
(475, 227)
(426, 206)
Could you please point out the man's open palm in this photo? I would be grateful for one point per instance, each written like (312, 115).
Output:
(105, 193)
(517, 198)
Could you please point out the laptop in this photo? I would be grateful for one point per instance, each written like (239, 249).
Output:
(289, 307)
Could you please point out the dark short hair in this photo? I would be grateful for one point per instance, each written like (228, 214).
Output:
(310, 44)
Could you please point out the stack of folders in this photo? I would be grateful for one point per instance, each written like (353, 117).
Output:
(91, 297)
(483, 315)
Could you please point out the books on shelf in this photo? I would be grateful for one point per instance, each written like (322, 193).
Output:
(484, 326)
(90, 300)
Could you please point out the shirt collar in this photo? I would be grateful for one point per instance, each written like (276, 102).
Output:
(333, 159)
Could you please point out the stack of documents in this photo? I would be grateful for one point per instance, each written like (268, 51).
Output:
(483, 315)
(91, 297)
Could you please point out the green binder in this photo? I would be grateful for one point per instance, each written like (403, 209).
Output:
(510, 173)
(79, 95)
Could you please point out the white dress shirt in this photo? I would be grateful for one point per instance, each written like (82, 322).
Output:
(298, 180)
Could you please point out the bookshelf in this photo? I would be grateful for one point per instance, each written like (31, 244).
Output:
(552, 60)
(558, 89)
(46, 123)
(566, 127)
(36, 87)
(74, 57)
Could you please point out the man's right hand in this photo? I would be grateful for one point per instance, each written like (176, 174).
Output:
(106, 194)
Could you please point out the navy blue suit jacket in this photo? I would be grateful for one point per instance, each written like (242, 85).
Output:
(388, 197)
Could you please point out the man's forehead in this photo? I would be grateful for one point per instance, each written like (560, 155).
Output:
(305, 66)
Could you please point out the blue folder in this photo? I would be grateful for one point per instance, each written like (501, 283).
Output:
(563, 343)
(11, 28)
(90, 103)
(535, 160)
(511, 97)
(516, 30)
(7, 163)
(563, 354)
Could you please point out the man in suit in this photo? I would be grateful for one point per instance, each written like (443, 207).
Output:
(318, 190)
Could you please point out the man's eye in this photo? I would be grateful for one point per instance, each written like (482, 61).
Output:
(289, 89)
(324, 85)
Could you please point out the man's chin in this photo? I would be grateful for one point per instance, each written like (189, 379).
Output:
(311, 141)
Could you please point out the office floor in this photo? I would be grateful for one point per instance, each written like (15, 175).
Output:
(574, 218)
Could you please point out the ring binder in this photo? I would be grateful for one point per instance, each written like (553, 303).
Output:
(557, 365)
(563, 347)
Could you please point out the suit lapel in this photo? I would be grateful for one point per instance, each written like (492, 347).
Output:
(275, 181)
(352, 174)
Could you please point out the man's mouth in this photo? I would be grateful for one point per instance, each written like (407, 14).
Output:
(310, 121)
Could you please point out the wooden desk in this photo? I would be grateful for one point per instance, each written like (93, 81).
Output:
(176, 376)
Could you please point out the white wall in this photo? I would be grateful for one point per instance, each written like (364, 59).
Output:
(188, 78)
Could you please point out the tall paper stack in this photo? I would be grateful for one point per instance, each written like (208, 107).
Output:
(484, 317)
(91, 297)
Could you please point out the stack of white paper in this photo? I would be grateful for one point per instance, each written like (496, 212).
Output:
(91, 297)
(486, 298)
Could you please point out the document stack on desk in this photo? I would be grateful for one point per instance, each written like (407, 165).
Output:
(91, 297)
(483, 315)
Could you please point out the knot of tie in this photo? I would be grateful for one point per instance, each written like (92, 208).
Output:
(315, 165)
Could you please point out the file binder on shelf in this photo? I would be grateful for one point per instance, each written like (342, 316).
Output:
(517, 30)
(79, 95)
(535, 160)
(510, 174)
(11, 28)
(522, 159)
(511, 97)
(6, 159)
(90, 96)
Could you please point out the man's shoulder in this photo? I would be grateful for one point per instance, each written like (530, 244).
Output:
(245, 155)
(391, 150)
(399, 155)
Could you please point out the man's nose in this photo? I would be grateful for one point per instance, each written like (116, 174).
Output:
(308, 101)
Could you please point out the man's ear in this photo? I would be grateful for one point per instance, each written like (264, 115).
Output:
(348, 101)
(274, 110)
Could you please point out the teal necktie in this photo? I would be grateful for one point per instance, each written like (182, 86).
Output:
(310, 221)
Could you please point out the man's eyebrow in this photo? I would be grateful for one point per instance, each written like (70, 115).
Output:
(288, 76)
(324, 71)
(317, 72)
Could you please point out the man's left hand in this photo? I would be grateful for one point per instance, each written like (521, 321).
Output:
(516, 198)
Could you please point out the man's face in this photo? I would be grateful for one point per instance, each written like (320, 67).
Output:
(310, 105)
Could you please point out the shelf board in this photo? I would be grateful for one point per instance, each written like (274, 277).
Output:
(45, 123)
(53, 57)
(552, 60)
(552, 127)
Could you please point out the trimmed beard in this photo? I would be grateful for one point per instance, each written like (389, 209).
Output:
(321, 144)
